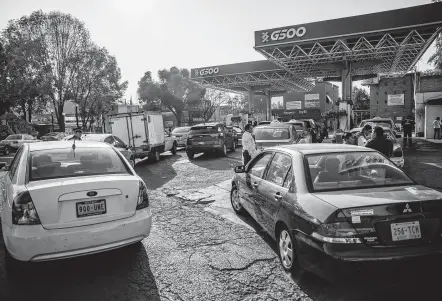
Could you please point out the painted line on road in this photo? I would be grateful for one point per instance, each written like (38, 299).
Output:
(434, 164)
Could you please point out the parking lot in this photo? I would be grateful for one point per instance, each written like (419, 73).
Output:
(199, 249)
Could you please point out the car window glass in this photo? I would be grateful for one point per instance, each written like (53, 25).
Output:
(14, 163)
(288, 178)
(118, 142)
(278, 168)
(258, 167)
(109, 140)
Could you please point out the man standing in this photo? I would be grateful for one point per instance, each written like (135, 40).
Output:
(248, 144)
(380, 143)
(407, 125)
(436, 128)
(77, 134)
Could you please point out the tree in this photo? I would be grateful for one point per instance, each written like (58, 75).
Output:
(5, 101)
(212, 100)
(361, 99)
(148, 94)
(436, 58)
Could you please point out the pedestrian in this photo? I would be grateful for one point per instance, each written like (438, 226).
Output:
(248, 144)
(380, 143)
(349, 138)
(407, 126)
(436, 128)
(77, 134)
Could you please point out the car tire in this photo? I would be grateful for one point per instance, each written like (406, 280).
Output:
(174, 149)
(224, 150)
(234, 201)
(132, 162)
(233, 146)
(285, 244)
(190, 155)
(7, 151)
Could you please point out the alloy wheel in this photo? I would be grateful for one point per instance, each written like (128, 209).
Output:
(286, 249)
(234, 197)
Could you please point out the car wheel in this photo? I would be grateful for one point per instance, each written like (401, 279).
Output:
(190, 155)
(173, 150)
(224, 150)
(7, 150)
(132, 161)
(233, 146)
(234, 200)
(286, 249)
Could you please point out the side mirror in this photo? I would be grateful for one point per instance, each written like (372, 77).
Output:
(240, 169)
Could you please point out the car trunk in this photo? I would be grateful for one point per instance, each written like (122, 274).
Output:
(204, 136)
(269, 143)
(391, 217)
(81, 201)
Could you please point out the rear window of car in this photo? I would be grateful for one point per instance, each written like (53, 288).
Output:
(180, 130)
(79, 162)
(205, 129)
(13, 137)
(271, 133)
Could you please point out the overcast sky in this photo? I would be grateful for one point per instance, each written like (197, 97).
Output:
(154, 34)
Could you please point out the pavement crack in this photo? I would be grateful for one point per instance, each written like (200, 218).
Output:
(242, 268)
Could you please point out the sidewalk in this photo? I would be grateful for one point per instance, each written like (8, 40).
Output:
(429, 140)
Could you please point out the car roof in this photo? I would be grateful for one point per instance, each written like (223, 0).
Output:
(95, 137)
(206, 124)
(37, 146)
(273, 125)
(320, 148)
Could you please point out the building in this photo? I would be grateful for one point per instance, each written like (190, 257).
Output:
(309, 105)
(428, 102)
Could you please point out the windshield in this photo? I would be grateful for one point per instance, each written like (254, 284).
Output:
(61, 163)
(180, 130)
(271, 133)
(206, 129)
(353, 170)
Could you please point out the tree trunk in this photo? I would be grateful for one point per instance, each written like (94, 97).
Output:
(60, 119)
(29, 114)
(23, 109)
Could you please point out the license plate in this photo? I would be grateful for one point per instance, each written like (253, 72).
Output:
(89, 208)
(200, 142)
(405, 231)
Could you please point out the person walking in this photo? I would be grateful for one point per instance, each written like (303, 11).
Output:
(380, 143)
(436, 128)
(248, 144)
(407, 126)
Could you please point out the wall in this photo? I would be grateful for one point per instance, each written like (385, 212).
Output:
(393, 86)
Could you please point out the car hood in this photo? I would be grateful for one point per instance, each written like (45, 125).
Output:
(379, 196)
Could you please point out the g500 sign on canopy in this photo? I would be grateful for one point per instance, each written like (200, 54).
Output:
(282, 34)
(205, 71)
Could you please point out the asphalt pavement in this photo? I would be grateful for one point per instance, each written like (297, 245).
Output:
(200, 250)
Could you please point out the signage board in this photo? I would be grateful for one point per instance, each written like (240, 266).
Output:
(314, 96)
(395, 100)
(293, 105)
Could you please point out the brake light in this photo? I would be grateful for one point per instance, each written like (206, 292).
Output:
(23, 210)
(143, 199)
(339, 231)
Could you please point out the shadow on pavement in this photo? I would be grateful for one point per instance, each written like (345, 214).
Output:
(207, 160)
(158, 173)
(122, 274)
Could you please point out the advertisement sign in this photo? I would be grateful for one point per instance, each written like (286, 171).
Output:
(293, 105)
(314, 96)
(395, 100)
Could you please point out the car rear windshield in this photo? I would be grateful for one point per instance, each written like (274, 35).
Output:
(180, 130)
(66, 162)
(13, 137)
(204, 129)
(271, 133)
(353, 170)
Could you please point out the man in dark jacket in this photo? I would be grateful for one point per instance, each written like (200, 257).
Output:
(407, 125)
(380, 143)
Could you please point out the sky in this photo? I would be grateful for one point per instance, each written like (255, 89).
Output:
(149, 35)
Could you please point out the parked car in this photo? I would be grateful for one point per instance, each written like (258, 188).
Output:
(102, 204)
(14, 142)
(116, 142)
(275, 134)
(54, 136)
(382, 122)
(314, 130)
(209, 137)
(338, 209)
(302, 129)
(239, 133)
(181, 135)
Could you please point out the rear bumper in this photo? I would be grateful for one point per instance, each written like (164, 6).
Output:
(339, 262)
(34, 243)
(203, 148)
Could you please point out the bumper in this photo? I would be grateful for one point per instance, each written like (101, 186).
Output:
(353, 262)
(399, 161)
(34, 243)
(203, 148)
(181, 143)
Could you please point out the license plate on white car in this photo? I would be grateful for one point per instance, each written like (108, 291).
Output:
(89, 208)
(405, 231)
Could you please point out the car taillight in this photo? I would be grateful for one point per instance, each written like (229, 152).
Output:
(339, 232)
(23, 210)
(143, 199)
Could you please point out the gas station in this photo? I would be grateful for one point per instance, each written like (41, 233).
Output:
(387, 44)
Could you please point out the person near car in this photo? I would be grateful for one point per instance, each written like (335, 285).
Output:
(77, 134)
(436, 128)
(364, 135)
(380, 143)
(351, 139)
(407, 125)
(248, 144)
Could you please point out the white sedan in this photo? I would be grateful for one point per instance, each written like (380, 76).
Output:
(65, 199)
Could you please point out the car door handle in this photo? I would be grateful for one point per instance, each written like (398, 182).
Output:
(278, 196)
(255, 185)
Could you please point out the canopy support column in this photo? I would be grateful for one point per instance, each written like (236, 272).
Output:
(269, 105)
(346, 97)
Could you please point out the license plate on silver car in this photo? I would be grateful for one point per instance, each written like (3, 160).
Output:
(405, 231)
(89, 208)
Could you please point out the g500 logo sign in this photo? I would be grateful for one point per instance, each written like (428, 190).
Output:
(282, 34)
(206, 71)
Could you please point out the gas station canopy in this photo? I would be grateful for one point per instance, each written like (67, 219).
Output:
(388, 43)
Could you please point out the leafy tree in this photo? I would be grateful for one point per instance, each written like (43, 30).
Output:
(148, 94)
(436, 58)
(361, 99)
(212, 100)
(5, 101)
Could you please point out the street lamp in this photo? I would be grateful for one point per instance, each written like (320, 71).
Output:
(76, 114)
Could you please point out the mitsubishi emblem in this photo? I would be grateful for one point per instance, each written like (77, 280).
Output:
(407, 209)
